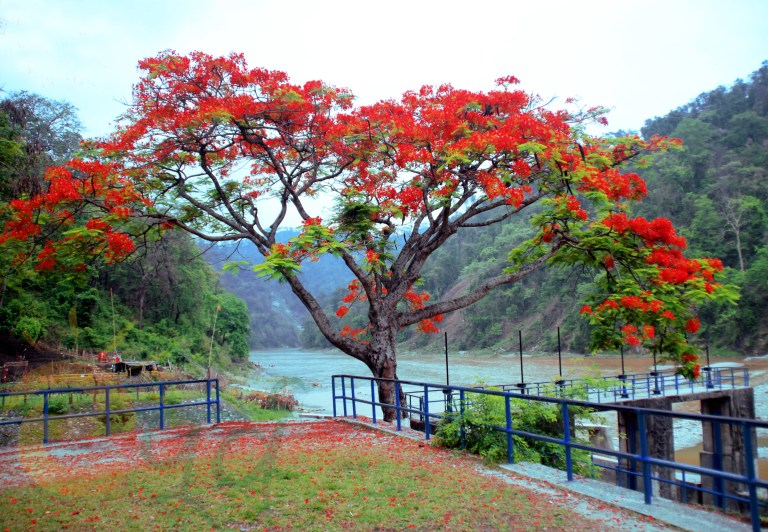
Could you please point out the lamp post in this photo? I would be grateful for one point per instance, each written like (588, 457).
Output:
(623, 376)
(447, 391)
(560, 380)
(655, 373)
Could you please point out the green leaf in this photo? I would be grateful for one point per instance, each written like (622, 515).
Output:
(234, 266)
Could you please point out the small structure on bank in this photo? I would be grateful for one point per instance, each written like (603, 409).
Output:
(135, 368)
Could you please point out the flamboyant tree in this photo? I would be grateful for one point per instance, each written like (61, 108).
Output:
(230, 153)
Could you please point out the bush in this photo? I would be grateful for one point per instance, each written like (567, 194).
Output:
(272, 401)
(29, 329)
(58, 406)
(485, 414)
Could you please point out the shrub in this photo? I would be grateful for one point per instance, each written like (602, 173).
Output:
(58, 406)
(28, 328)
(484, 415)
(273, 401)
(172, 397)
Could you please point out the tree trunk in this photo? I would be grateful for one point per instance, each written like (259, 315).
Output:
(142, 301)
(383, 364)
(738, 249)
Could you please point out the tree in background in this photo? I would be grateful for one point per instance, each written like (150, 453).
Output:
(35, 133)
(48, 132)
(715, 191)
(165, 293)
(229, 153)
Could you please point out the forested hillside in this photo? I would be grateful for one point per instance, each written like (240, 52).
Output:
(715, 192)
(159, 304)
(276, 316)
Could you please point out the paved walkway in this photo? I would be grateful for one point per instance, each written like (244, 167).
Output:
(662, 510)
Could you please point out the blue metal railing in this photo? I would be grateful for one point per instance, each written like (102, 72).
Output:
(614, 388)
(639, 465)
(46, 418)
(635, 386)
(618, 388)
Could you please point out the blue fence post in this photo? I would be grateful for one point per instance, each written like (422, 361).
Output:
(426, 412)
(333, 392)
(717, 462)
(343, 396)
(643, 433)
(567, 442)
(754, 509)
(218, 402)
(45, 417)
(354, 401)
(373, 402)
(207, 399)
(461, 422)
(108, 418)
(162, 407)
(508, 414)
(397, 406)
(421, 407)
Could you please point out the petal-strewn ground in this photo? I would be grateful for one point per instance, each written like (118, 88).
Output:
(318, 475)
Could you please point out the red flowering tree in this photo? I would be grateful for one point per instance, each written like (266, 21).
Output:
(208, 143)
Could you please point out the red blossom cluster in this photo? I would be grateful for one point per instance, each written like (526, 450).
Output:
(664, 248)
(416, 301)
(71, 189)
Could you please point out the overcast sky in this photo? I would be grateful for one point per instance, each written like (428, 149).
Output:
(640, 58)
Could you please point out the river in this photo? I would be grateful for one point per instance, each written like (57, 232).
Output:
(307, 376)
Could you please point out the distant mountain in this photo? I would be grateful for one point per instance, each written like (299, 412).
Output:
(277, 317)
